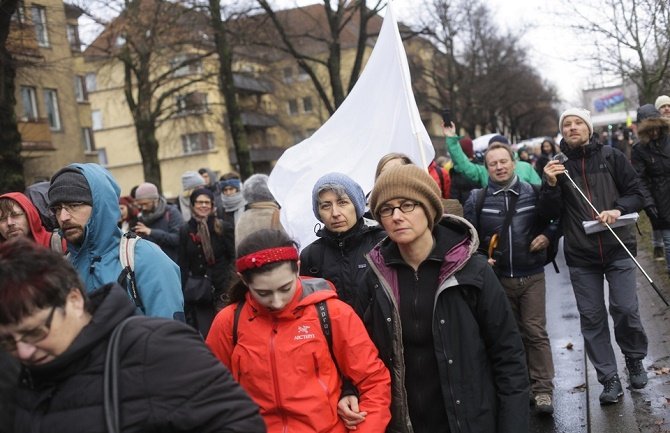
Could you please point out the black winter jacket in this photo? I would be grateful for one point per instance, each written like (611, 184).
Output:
(481, 360)
(513, 259)
(340, 258)
(165, 230)
(461, 186)
(169, 381)
(192, 258)
(609, 181)
(651, 159)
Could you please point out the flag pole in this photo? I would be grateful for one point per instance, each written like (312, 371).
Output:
(408, 88)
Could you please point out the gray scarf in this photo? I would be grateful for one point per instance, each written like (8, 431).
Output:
(233, 202)
(149, 218)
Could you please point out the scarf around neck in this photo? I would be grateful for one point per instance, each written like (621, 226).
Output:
(150, 217)
(205, 239)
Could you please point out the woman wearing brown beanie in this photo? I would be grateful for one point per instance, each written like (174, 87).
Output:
(440, 318)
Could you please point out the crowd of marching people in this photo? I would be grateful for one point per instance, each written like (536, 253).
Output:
(419, 308)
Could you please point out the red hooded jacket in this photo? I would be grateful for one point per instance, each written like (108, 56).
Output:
(283, 361)
(38, 232)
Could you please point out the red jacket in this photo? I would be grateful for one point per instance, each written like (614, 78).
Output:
(442, 178)
(38, 232)
(283, 361)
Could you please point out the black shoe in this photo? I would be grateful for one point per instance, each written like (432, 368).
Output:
(636, 373)
(612, 390)
(659, 254)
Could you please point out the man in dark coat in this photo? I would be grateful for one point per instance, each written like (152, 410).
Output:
(517, 247)
(158, 221)
(613, 188)
(651, 160)
(167, 378)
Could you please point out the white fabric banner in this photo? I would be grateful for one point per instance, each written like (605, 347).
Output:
(379, 116)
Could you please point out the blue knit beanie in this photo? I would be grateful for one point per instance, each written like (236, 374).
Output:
(353, 190)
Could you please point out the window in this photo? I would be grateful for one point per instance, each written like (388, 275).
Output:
(288, 74)
(80, 88)
(292, 107)
(73, 37)
(185, 64)
(96, 120)
(53, 115)
(191, 103)
(29, 102)
(198, 142)
(91, 84)
(87, 140)
(307, 104)
(302, 74)
(19, 15)
(39, 16)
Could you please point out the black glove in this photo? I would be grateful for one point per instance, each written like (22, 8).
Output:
(652, 212)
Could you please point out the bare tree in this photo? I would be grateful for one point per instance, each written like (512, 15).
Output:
(224, 50)
(482, 74)
(159, 44)
(11, 163)
(323, 27)
(632, 39)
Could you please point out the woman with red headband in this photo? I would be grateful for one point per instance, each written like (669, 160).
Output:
(289, 341)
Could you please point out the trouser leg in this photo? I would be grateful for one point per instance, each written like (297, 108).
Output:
(587, 284)
(665, 238)
(657, 239)
(624, 308)
(527, 297)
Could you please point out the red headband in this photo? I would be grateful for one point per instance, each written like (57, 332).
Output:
(263, 257)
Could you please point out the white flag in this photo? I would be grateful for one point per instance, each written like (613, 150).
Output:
(378, 116)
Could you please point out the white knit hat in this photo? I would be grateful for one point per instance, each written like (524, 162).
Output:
(583, 114)
(661, 101)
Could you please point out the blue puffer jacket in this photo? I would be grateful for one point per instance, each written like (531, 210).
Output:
(513, 259)
(97, 259)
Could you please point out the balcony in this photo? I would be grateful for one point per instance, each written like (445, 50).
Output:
(252, 119)
(35, 135)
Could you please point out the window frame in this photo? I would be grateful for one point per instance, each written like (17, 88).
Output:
(41, 27)
(34, 115)
(197, 142)
(52, 110)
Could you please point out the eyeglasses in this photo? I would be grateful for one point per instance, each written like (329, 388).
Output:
(203, 203)
(33, 336)
(69, 207)
(405, 207)
(12, 215)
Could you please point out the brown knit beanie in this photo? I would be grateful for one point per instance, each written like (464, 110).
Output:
(411, 182)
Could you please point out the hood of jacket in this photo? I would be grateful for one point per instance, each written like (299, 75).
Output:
(39, 233)
(97, 258)
(454, 258)
(645, 128)
(309, 291)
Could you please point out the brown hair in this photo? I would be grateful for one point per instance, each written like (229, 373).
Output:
(257, 241)
(497, 145)
(31, 278)
(390, 157)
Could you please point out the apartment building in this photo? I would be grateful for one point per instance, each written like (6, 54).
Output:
(53, 110)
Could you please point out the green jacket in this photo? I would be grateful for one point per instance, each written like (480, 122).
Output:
(478, 173)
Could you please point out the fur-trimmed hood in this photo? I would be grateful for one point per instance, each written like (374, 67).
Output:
(645, 127)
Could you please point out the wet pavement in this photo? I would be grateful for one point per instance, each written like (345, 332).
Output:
(576, 405)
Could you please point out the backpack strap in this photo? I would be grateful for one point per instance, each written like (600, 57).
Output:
(127, 277)
(56, 242)
(479, 204)
(324, 320)
(236, 320)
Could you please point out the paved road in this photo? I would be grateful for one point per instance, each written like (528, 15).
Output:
(577, 409)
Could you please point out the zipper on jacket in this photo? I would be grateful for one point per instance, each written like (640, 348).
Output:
(509, 236)
(588, 191)
(273, 362)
